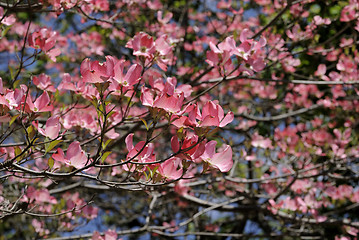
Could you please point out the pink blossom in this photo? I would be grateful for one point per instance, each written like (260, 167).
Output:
(189, 148)
(171, 104)
(318, 20)
(249, 51)
(88, 43)
(14, 99)
(139, 152)
(94, 71)
(52, 127)
(218, 56)
(43, 82)
(168, 97)
(260, 141)
(41, 104)
(224, 5)
(132, 76)
(109, 235)
(39, 227)
(75, 156)
(213, 115)
(142, 45)
(45, 39)
(8, 20)
(221, 160)
(350, 12)
(164, 50)
(165, 19)
(321, 72)
(154, 4)
(169, 169)
(85, 120)
(67, 83)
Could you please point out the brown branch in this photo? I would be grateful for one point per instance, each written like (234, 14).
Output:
(289, 4)
(235, 235)
(278, 117)
(299, 81)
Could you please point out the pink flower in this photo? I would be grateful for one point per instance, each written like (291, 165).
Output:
(13, 99)
(350, 12)
(52, 128)
(94, 71)
(213, 115)
(40, 196)
(67, 83)
(142, 45)
(109, 235)
(190, 148)
(41, 104)
(260, 141)
(43, 82)
(159, 51)
(45, 39)
(165, 19)
(171, 104)
(154, 4)
(224, 5)
(164, 52)
(168, 97)
(75, 156)
(218, 56)
(249, 51)
(9, 20)
(169, 169)
(318, 20)
(322, 69)
(221, 160)
(139, 152)
(132, 76)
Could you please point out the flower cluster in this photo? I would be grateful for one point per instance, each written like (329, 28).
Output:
(45, 40)
(249, 53)
(151, 51)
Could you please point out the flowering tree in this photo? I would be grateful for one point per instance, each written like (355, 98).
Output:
(179, 118)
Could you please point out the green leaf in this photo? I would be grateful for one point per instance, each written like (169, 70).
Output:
(51, 145)
(31, 132)
(180, 133)
(101, 109)
(152, 171)
(13, 119)
(110, 114)
(51, 162)
(11, 72)
(315, 9)
(144, 121)
(17, 151)
(94, 102)
(104, 145)
(335, 10)
(146, 176)
(4, 30)
(105, 155)
(101, 86)
(16, 83)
